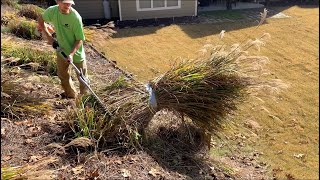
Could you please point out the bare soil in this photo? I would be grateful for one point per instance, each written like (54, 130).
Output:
(38, 131)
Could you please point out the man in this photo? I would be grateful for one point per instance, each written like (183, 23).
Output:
(68, 27)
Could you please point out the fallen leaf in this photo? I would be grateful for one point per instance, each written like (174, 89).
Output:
(154, 172)
(3, 132)
(119, 162)
(30, 142)
(6, 158)
(27, 122)
(93, 174)
(65, 167)
(221, 35)
(125, 173)
(5, 95)
(280, 152)
(81, 178)
(133, 159)
(299, 156)
(34, 130)
(212, 168)
(77, 170)
(290, 177)
(34, 158)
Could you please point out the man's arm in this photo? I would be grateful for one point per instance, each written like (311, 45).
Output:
(76, 46)
(43, 28)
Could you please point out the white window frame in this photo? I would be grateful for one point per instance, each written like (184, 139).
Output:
(157, 8)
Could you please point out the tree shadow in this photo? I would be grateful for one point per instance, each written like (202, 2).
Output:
(181, 147)
(206, 23)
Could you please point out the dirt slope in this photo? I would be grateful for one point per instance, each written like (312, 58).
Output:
(37, 132)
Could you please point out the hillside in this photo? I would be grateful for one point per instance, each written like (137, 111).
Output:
(37, 134)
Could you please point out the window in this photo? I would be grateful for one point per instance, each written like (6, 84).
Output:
(158, 3)
(149, 5)
(145, 4)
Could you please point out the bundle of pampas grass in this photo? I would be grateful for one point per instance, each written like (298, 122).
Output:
(205, 90)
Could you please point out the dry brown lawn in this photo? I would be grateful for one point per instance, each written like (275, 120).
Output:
(287, 126)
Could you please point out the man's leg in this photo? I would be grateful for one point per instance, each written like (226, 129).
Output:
(82, 66)
(64, 76)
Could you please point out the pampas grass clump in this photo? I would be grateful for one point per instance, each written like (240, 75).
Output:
(205, 90)
(30, 55)
(30, 11)
(21, 27)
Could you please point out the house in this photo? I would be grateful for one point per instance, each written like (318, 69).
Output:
(135, 9)
(152, 9)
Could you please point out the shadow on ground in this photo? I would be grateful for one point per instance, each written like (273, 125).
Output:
(222, 19)
(179, 146)
(176, 151)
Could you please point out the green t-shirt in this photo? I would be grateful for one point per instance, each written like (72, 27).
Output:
(68, 28)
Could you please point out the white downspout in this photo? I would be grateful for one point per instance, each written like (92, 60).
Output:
(196, 8)
(120, 14)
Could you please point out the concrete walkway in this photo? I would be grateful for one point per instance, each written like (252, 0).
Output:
(222, 6)
(244, 16)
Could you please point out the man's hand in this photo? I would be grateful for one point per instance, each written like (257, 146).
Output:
(70, 58)
(46, 30)
(50, 40)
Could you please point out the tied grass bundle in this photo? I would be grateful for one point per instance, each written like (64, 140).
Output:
(199, 91)
(206, 90)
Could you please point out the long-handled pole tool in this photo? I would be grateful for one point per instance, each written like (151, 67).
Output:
(84, 80)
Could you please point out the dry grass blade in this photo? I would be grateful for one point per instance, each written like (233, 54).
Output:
(33, 170)
(108, 25)
(263, 17)
(221, 35)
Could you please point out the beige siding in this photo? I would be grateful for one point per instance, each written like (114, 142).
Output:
(129, 11)
(90, 9)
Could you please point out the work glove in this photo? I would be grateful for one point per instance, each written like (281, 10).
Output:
(70, 58)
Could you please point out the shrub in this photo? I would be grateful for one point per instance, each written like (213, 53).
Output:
(88, 121)
(24, 28)
(12, 3)
(7, 17)
(31, 11)
(30, 55)
(42, 3)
